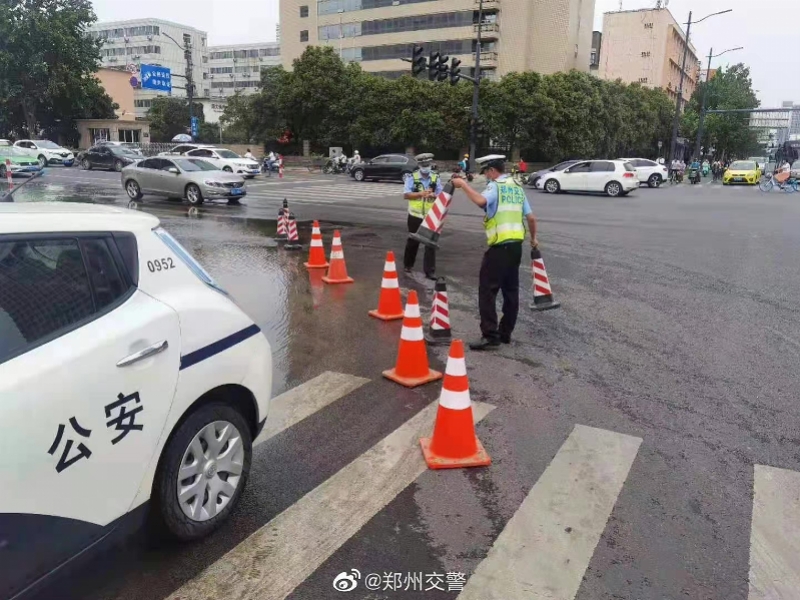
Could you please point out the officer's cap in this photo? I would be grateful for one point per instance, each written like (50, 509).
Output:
(490, 160)
(424, 159)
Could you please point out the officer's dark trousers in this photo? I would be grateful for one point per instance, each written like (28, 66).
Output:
(410, 255)
(499, 272)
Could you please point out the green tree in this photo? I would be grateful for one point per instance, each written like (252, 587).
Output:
(240, 118)
(169, 116)
(47, 62)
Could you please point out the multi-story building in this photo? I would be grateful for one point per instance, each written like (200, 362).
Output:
(646, 46)
(516, 35)
(237, 68)
(594, 56)
(129, 44)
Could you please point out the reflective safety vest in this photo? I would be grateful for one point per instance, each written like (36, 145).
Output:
(419, 208)
(506, 225)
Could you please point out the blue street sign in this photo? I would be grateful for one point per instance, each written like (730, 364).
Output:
(195, 126)
(156, 78)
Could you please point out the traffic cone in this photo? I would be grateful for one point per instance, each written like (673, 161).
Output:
(316, 251)
(439, 329)
(412, 367)
(283, 211)
(454, 443)
(293, 242)
(542, 294)
(337, 271)
(390, 304)
(9, 176)
(428, 232)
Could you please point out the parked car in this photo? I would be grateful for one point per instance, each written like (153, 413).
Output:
(611, 177)
(19, 162)
(132, 386)
(133, 147)
(742, 171)
(195, 179)
(4, 143)
(386, 166)
(536, 176)
(107, 156)
(227, 160)
(183, 149)
(47, 152)
(649, 171)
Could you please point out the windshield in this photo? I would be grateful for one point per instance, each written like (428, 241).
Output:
(563, 165)
(743, 165)
(194, 164)
(46, 144)
(122, 151)
(228, 154)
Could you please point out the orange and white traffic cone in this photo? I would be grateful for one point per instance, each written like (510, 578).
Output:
(283, 213)
(439, 330)
(316, 251)
(337, 271)
(9, 175)
(293, 241)
(542, 294)
(390, 304)
(431, 227)
(412, 367)
(454, 443)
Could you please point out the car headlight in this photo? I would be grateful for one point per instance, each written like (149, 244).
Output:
(212, 183)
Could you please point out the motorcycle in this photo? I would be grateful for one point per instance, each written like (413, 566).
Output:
(269, 167)
(459, 172)
(334, 167)
(694, 175)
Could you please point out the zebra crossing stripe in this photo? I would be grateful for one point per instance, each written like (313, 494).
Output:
(279, 556)
(775, 535)
(304, 400)
(545, 548)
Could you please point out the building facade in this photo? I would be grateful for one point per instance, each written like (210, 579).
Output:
(516, 35)
(594, 56)
(646, 46)
(237, 68)
(129, 44)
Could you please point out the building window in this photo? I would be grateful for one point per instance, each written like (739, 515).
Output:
(303, 12)
(139, 103)
(304, 35)
(404, 50)
(648, 25)
(99, 135)
(129, 135)
(645, 54)
(642, 79)
(331, 7)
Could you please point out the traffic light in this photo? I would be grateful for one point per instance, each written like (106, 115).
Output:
(455, 71)
(442, 68)
(417, 60)
(433, 66)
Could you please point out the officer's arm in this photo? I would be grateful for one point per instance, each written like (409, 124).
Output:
(529, 216)
(474, 196)
(409, 194)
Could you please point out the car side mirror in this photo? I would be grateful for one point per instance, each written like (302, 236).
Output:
(174, 170)
(567, 170)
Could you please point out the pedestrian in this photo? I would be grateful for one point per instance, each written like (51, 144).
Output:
(507, 209)
(421, 189)
(249, 155)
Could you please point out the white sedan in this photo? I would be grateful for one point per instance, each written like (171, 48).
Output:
(648, 171)
(130, 383)
(611, 177)
(227, 160)
(47, 152)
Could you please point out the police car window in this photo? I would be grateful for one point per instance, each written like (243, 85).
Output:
(107, 282)
(44, 289)
(188, 259)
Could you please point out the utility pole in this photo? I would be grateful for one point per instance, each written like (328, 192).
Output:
(699, 139)
(676, 118)
(473, 130)
(187, 54)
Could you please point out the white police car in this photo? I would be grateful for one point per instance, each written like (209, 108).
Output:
(128, 380)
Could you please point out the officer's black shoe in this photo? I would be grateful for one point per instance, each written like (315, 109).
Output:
(505, 339)
(407, 271)
(430, 276)
(484, 344)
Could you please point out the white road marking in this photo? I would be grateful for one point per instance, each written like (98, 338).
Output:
(545, 548)
(304, 400)
(274, 560)
(775, 535)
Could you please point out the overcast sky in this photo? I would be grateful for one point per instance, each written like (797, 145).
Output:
(766, 28)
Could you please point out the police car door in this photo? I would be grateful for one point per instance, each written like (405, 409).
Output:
(88, 369)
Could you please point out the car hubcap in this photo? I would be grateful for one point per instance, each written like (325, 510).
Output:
(85, 164)
(192, 195)
(211, 471)
(551, 187)
(359, 175)
(613, 190)
(133, 190)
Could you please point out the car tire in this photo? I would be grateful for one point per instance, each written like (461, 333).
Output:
(3, 172)
(133, 190)
(86, 165)
(358, 175)
(551, 186)
(227, 169)
(655, 180)
(208, 420)
(42, 161)
(194, 195)
(613, 189)
(118, 166)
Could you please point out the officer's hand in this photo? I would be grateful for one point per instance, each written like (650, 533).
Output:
(458, 182)
(534, 243)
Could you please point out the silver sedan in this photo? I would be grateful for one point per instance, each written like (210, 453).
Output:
(180, 177)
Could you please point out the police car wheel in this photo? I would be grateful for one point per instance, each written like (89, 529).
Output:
(203, 471)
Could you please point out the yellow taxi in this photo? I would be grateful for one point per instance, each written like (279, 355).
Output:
(742, 171)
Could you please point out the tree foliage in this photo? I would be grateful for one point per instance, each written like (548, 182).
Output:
(47, 66)
(545, 117)
(729, 134)
(169, 116)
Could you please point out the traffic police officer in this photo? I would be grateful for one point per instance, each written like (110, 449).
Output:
(421, 190)
(506, 208)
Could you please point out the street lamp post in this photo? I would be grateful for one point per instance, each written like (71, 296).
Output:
(676, 118)
(703, 101)
(473, 132)
(187, 55)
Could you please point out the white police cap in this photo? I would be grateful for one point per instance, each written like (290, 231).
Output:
(424, 158)
(490, 160)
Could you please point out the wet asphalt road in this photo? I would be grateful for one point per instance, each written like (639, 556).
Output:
(678, 326)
